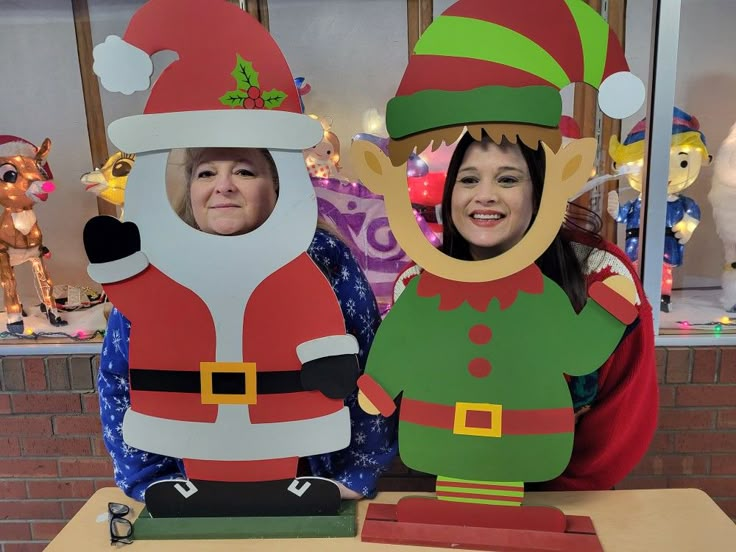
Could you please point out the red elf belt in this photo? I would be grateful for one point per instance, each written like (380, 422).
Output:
(487, 420)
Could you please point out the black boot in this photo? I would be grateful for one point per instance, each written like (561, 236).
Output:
(303, 496)
(55, 320)
(664, 304)
(16, 327)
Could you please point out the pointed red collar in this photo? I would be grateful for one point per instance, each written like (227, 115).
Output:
(479, 294)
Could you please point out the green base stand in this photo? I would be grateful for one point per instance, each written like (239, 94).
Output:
(287, 527)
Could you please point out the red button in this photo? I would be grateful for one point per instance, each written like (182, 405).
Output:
(480, 334)
(479, 367)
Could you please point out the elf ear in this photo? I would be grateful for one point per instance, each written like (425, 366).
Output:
(575, 161)
(374, 168)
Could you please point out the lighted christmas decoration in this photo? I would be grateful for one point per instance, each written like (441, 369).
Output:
(109, 181)
(323, 159)
(303, 88)
(359, 217)
(716, 325)
(484, 405)
(688, 153)
(425, 194)
(25, 179)
(722, 197)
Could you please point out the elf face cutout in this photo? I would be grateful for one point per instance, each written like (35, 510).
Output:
(566, 172)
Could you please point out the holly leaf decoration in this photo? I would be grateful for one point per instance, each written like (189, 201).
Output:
(273, 98)
(234, 98)
(244, 74)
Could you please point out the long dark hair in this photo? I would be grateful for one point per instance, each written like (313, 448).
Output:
(559, 262)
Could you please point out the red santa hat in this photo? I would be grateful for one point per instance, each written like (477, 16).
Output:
(229, 87)
(11, 146)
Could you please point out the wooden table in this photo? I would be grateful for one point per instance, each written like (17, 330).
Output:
(666, 520)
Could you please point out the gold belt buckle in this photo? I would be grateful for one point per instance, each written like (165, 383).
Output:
(461, 413)
(208, 369)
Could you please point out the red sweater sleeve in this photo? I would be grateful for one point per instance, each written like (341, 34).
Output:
(613, 436)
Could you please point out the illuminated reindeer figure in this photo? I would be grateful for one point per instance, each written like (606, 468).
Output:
(24, 181)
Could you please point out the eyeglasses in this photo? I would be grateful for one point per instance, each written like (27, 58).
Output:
(121, 529)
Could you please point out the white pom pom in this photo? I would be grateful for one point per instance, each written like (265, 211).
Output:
(121, 66)
(621, 95)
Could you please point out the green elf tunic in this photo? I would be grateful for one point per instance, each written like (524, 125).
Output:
(481, 369)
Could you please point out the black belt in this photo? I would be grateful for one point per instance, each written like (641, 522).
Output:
(634, 233)
(223, 383)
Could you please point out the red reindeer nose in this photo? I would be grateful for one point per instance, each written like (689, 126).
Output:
(48, 186)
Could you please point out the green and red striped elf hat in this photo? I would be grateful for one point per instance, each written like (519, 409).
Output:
(504, 61)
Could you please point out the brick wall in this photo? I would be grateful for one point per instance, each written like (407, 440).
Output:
(52, 457)
(695, 444)
(51, 454)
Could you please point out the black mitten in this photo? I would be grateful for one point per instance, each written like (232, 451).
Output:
(334, 376)
(108, 239)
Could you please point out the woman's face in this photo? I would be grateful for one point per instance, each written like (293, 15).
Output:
(232, 191)
(492, 203)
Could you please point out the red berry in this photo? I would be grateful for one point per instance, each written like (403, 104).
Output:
(254, 92)
(259, 103)
(249, 103)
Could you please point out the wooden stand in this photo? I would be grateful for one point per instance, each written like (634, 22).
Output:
(341, 525)
(427, 522)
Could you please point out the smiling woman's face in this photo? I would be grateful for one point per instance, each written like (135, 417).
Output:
(492, 202)
(232, 191)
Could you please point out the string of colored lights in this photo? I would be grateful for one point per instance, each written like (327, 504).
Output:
(32, 335)
(717, 325)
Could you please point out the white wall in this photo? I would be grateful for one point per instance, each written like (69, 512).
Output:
(352, 53)
(41, 95)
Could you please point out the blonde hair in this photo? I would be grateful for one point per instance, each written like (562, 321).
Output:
(192, 158)
(623, 154)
